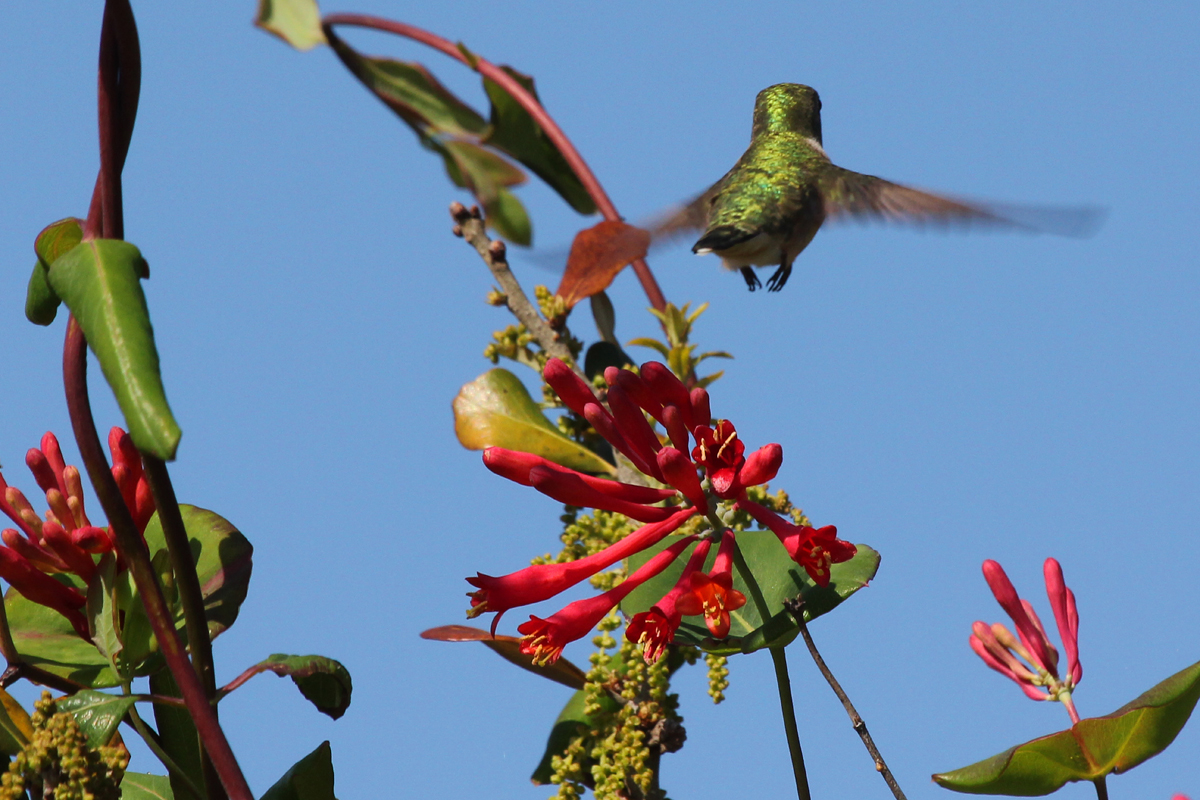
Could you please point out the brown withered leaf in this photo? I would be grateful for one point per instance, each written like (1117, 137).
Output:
(597, 255)
(509, 648)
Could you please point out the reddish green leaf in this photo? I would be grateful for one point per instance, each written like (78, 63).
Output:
(324, 682)
(509, 648)
(1089, 749)
(56, 239)
(515, 132)
(495, 410)
(597, 255)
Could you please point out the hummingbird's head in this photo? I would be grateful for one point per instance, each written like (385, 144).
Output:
(788, 108)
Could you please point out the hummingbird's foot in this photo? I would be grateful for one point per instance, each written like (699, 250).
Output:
(752, 281)
(776, 281)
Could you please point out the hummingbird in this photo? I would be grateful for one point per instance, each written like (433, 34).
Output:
(768, 208)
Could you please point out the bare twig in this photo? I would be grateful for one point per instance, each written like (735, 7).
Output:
(796, 608)
(468, 223)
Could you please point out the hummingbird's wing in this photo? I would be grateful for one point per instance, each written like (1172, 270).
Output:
(682, 220)
(852, 195)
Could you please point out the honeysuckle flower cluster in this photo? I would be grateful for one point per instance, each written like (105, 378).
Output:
(1038, 676)
(699, 464)
(65, 540)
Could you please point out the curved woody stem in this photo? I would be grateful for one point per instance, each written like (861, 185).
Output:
(119, 84)
(529, 103)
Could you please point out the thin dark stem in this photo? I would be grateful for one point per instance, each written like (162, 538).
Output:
(530, 104)
(133, 551)
(796, 607)
(782, 680)
(1101, 788)
(789, 721)
(18, 669)
(156, 747)
(190, 595)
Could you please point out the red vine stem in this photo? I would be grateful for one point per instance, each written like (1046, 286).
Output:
(119, 85)
(530, 104)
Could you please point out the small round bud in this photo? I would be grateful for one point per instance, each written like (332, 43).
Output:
(457, 231)
(498, 250)
(458, 211)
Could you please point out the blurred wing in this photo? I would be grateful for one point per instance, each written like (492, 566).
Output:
(850, 195)
(683, 220)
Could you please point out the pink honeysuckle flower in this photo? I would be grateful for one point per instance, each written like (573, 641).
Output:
(712, 594)
(65, 541)
(655, 629)
(1039, 676)
(546, 638)
(815, 549)
(542, 581)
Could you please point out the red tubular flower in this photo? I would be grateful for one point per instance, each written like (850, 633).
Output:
(720, 452)
(606, 426)
(543, 581)
(43, 590)
(815, 549)
(1000, 649)
(516, 467)
(633, 424)
(545, 638)
(570, 388)
(680, 472)
(677, 430)
(713, 594)
(655, 629)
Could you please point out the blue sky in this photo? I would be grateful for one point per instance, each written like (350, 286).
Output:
(943, 398)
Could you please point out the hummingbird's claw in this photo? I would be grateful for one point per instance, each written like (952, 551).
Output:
(752, 281)
(776, 281)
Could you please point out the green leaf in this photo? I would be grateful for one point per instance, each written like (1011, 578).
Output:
(140, 786)
(46, 639)
(507, 214)
(223, 559)
(16, 729)
(99, 280)
(97, 713)
(323, 681)
(1091, 748)
(412, 93)
(515, 132)
(495, 410)
(310, 779)
(778, 577)
(41, 303)
(509, 648)
(297, 22)
(103, 613)
(571, 722)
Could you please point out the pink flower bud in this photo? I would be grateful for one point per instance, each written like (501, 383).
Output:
(1064, 614)
(54, 455)
(1006, 595)
(762, 465)
(43, 473)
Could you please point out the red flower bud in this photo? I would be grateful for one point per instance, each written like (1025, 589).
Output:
(1002, 588)
(680, 472)
(636, 388)
(606, 426)
(570, 388)
(632, 424)
(43, 590)
(515, 466)
(61, 543)
(569, 488)
(668, 389)
(672, 420)
(54, 456)
(700, 406)
(1062, 601)
(92, 539)
(761, 466)
(43, 473)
